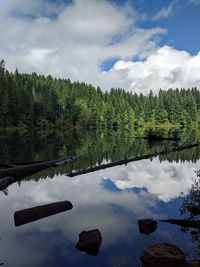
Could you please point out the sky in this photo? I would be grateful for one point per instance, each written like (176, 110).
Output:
(137, 45)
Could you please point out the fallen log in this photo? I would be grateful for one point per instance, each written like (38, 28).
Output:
(184, 222)
(5, 182)
(121, 162)
(64, 161)
(20, 172)
(157, 138)
(11, 165)
(195, 210)
(160, 138)
(32, 214)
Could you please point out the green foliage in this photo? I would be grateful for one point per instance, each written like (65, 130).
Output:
(31, 100)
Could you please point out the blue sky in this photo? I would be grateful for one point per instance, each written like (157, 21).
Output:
(182, 22)
(136, 45)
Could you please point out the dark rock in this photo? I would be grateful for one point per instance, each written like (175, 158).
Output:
(147, 226)
(192, 263)
(163, 255)
(89, 241)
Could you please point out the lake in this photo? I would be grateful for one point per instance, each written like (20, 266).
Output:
(110, 200)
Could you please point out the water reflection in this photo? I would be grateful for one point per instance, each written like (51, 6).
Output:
(16, 173)
(96, 205)
(95, 147)
(110, 200)
(164, 180)
(190, 209)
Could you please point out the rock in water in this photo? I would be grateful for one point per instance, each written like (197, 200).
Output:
(192, 263)
(163, 255)
(147, 226)
(89, 241)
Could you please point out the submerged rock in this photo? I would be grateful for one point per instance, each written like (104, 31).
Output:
(192, 263)
(89, 241)
(163, 255)
(147, 226)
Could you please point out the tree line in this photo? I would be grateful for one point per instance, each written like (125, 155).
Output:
(32, 100)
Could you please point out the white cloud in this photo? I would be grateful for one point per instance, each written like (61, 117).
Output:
(73, 44)
(81, 36)
(165, 68)
(165, 180)
(164, 12)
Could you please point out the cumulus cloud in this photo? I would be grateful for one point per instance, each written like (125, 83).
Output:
(72, 41)
(165, 180)
(165, 68)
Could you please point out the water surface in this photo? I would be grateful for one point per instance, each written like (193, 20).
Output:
(111, 200)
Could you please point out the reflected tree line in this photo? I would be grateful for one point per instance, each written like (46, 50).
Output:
(93, 148)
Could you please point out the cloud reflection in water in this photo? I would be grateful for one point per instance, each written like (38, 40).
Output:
(113, 212)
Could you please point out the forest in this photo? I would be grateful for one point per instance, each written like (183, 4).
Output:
(43, 102)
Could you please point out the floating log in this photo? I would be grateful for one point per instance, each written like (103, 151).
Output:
(160, 138)
(121, 162)
(32, 214)
(20, 172)
(184, 222)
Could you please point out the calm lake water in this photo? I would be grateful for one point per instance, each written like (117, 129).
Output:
(111, 200)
